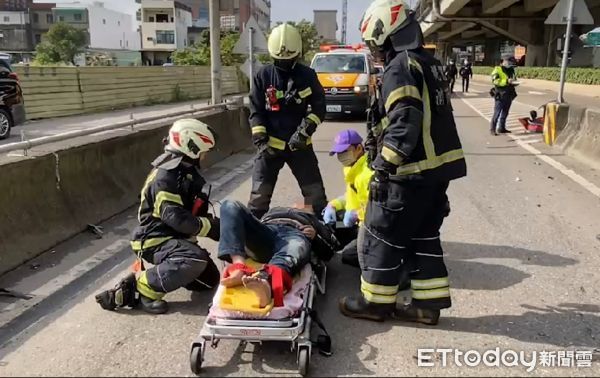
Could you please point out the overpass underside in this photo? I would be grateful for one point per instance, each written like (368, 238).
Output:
(492, 25)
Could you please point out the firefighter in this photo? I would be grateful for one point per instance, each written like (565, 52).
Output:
(504, 78)
(419, 153)
(172, 214)
(282, 125)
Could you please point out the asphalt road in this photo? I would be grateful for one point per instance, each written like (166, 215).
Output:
(522, 246)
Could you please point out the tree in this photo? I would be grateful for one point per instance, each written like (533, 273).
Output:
(199, 54)
(62, 43)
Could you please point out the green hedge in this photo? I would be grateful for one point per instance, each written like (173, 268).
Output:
(590, 76)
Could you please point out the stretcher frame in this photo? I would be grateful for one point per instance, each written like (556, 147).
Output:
(296, 330)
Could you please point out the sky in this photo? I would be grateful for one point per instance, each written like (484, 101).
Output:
(281, 10)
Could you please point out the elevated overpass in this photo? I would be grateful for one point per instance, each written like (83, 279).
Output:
(492, 23)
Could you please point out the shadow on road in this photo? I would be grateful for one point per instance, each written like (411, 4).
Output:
(565, 325)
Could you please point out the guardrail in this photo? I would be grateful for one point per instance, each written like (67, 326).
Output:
(25, 145)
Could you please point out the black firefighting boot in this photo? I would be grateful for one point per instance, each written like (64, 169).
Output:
(124, 294)
(153, 306)
(411, 313)
(360, 308)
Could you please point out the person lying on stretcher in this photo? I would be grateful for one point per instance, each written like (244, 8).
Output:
(283, 240)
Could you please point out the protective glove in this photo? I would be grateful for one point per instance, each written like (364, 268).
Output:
(298, 141)
(260, 140)
(329, 215)
(379, 186)
(371, 148)
(350, 218)
(215, 227)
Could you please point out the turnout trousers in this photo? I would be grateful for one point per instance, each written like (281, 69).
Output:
(405, 229)
(304, 167)
(177, 263)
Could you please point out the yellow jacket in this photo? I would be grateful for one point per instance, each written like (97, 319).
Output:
(357, 180)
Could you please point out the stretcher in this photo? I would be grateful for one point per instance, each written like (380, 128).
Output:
(291, 323)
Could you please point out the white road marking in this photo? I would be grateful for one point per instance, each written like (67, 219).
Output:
(595, 190)
(536, 93)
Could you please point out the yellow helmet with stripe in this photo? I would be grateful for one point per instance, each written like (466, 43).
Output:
(285, 42)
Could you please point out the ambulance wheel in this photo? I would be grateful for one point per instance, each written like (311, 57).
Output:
(303, 360)
(196, 358)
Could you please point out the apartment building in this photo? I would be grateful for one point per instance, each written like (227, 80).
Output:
(106, 29)
(164, 25)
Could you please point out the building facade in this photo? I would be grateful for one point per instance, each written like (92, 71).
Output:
(164, 28)
(326, 24)
(105, 28)
(15, 32)
(234, 13)
(15, 5)
(42, 19)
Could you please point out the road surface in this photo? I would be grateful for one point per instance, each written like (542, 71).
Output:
(522, 245)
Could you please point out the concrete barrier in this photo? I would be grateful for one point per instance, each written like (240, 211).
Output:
(52, 197)
(581, 136)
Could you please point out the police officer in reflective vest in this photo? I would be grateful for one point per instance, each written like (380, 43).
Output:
(419, 153)
(282, 125)
(503, 78)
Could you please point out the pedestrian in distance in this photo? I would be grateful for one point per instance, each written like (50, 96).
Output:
(466, 72)
(451, 73)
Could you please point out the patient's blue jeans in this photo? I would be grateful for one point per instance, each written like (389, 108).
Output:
(281, 245)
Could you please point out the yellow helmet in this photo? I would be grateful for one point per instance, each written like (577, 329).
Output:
(384, 19)
(285, 42)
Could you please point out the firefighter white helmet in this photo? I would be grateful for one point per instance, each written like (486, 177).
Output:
(385, 19)
(190, 137)
(285, 42)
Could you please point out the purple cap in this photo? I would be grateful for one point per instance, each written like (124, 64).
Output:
(344, 140)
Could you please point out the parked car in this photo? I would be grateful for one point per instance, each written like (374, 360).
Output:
(12, 105)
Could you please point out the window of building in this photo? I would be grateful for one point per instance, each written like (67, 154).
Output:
(165, 37)
(121, 42)
(126, 43)
(192, 41)
(151, 19)
(119, 23)
(49, 18)
(38, 39)
(104, 21)
(6, 18)
(77, 17)
(149, 39)
(172, 19)
(36, 18)
(61, 18)
(185, 43)
(162, 18)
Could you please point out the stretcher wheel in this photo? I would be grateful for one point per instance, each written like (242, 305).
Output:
(196, 358)
(303, 360)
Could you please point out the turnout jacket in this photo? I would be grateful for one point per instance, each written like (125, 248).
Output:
(166, 203)
(295, 91)
(418, 139)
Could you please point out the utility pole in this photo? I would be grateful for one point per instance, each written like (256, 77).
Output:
(565, 60)
(344, 21)
(251, 55)
(215, 51)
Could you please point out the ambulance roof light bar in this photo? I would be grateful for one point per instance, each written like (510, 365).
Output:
(355, 47)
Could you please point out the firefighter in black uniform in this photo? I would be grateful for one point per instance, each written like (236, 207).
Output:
(419, 153)
(282, 125)
(173, 213)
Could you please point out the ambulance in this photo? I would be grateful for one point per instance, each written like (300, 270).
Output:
(349, 76)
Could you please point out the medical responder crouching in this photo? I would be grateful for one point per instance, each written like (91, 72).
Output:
(172, 214)
(419, 153)
(282, 125)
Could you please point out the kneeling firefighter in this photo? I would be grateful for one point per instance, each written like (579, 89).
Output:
(281, 124)
(172, 214)
(418, 154)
